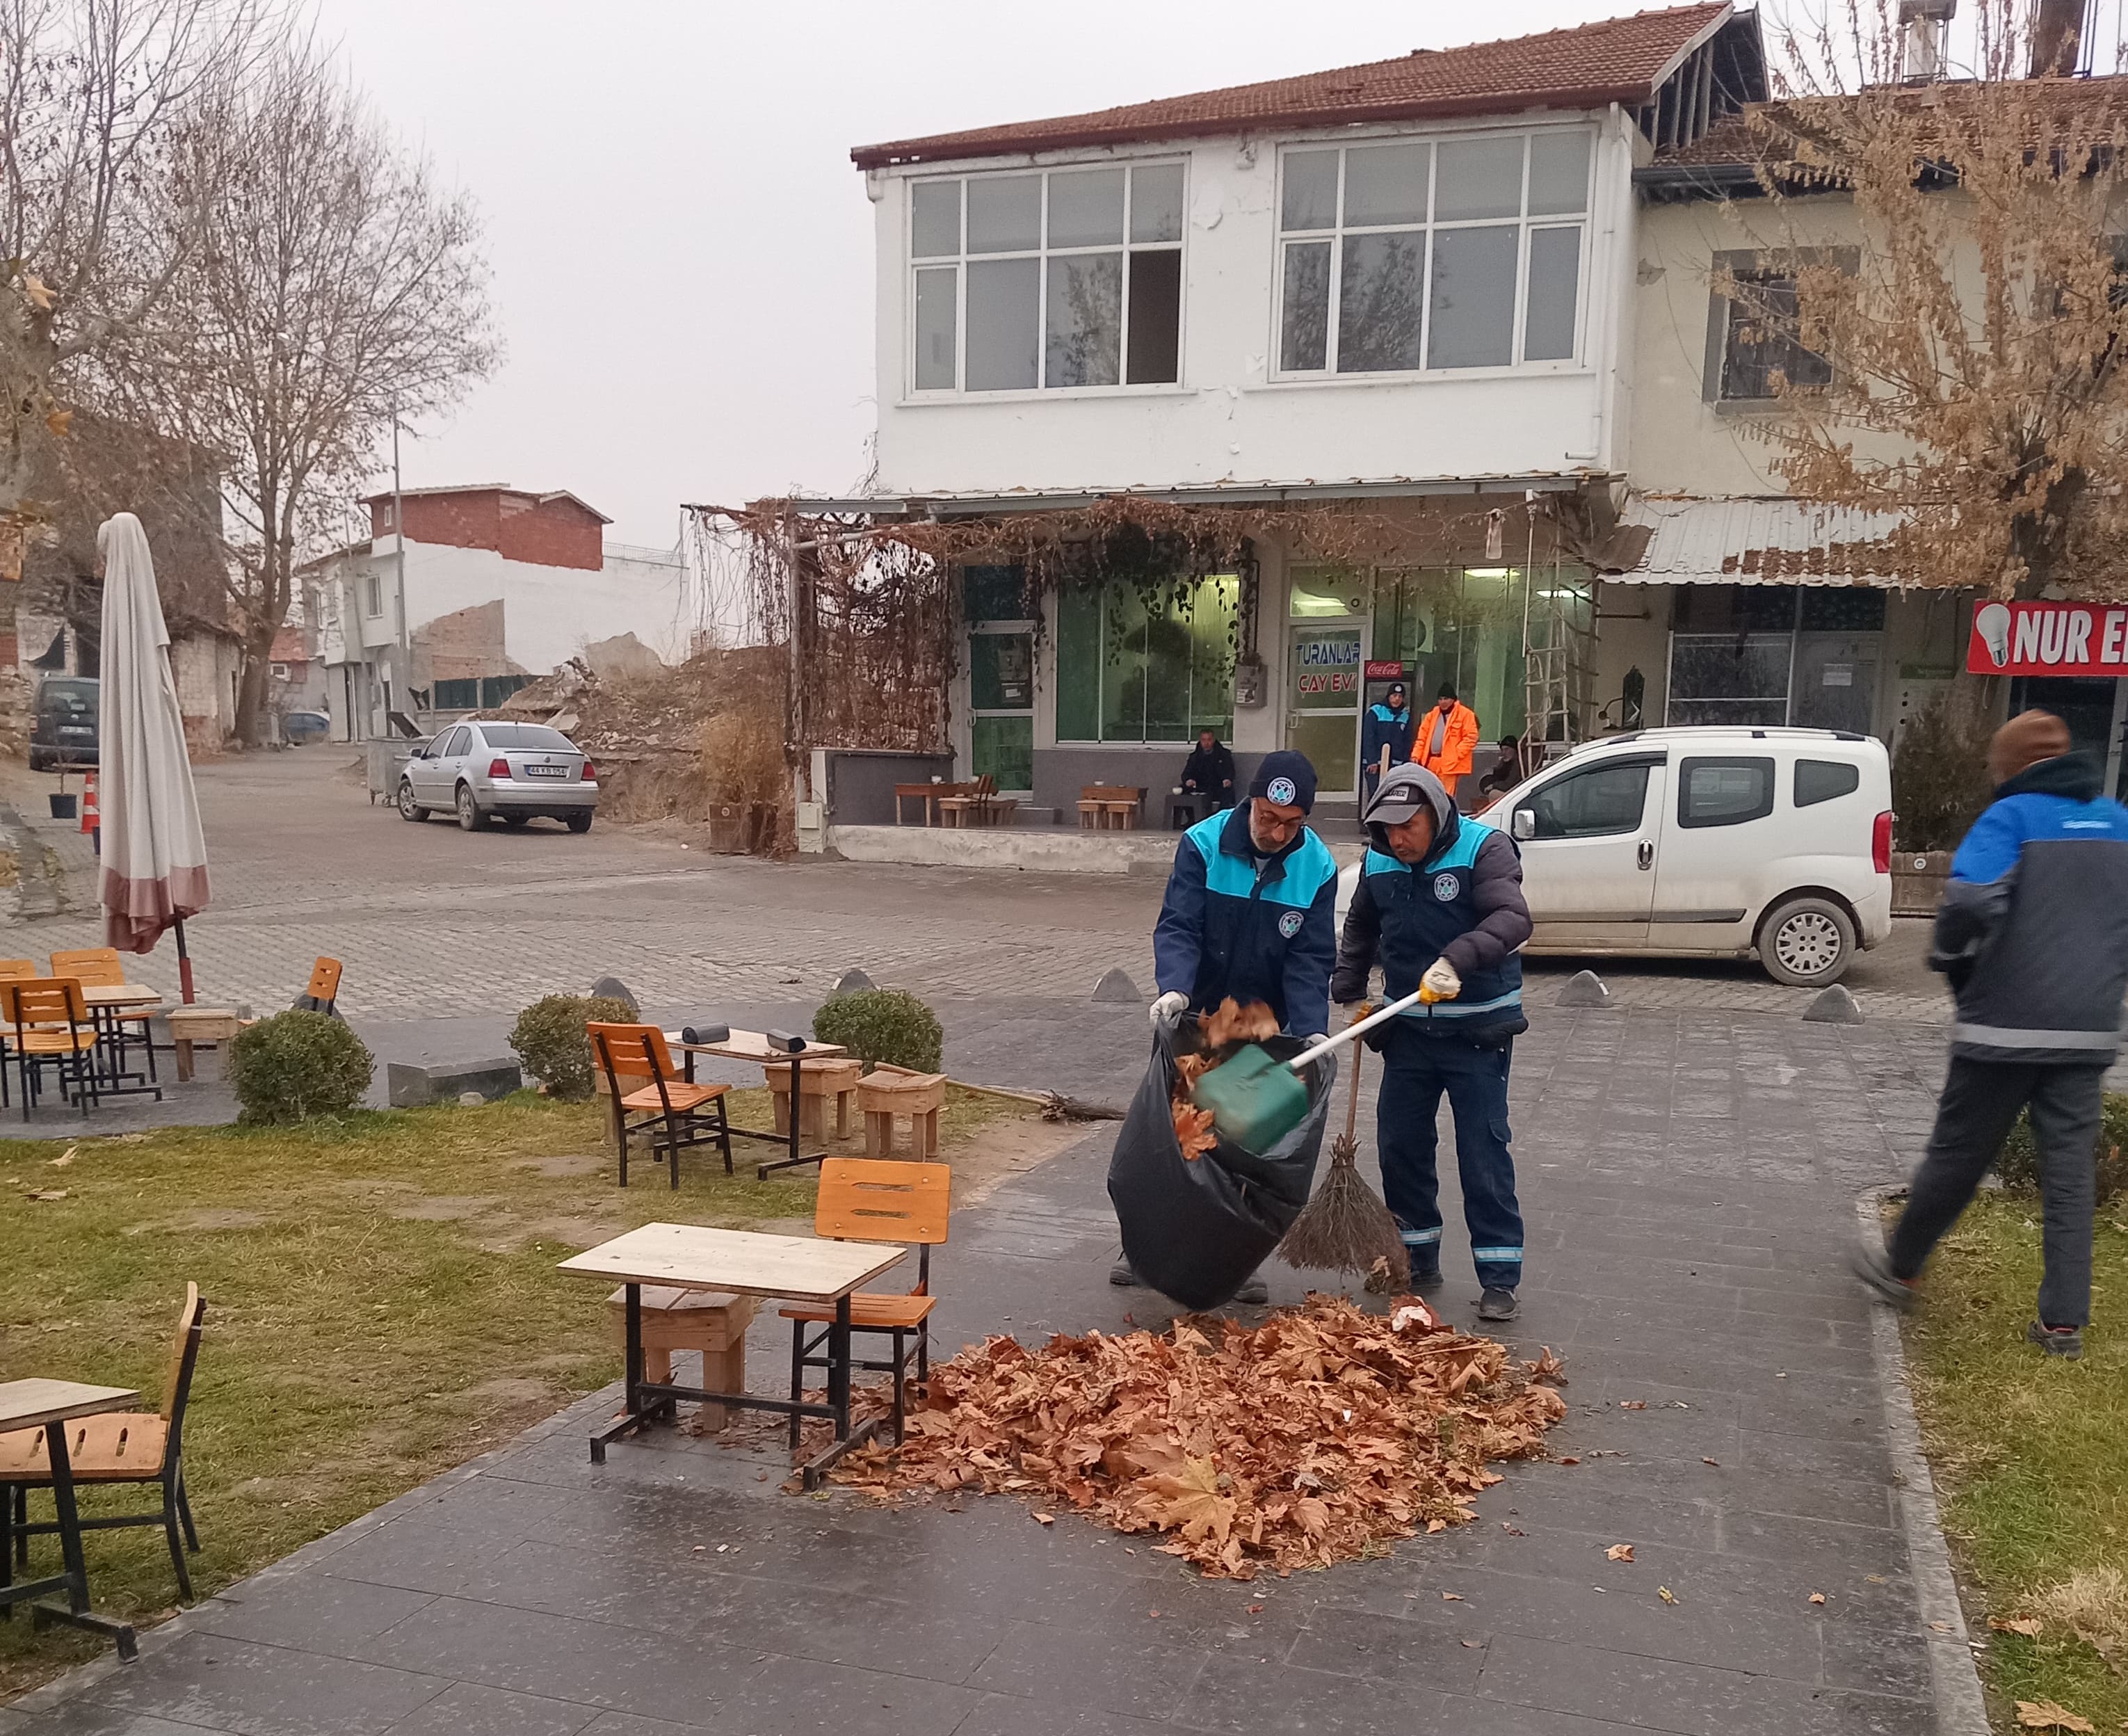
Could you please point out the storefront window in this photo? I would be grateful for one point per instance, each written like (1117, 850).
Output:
(1135, 665)
(1459, 625)
(1764, 655)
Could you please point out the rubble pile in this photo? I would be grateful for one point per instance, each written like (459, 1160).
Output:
(1311, 1439)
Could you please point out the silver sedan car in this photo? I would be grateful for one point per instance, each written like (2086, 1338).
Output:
(512, 770)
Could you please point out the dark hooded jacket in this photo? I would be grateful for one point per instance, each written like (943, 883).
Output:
(1463, 903)
(2033, 929)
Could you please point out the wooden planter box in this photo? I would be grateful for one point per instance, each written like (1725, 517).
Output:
(1918, 878)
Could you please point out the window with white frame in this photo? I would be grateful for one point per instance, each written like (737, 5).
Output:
(1047, 280)
(1410, 256)
(372, 596)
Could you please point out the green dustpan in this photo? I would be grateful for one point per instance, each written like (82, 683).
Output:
(1256, 1100)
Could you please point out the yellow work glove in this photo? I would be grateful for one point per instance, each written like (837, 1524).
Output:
(1439, 983)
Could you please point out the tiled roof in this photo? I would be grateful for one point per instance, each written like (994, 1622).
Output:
(2099, 104)
(1616, 60)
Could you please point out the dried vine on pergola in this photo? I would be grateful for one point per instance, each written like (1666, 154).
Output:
(865, 603)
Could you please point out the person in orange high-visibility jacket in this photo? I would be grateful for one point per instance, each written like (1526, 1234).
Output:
(1442, 738)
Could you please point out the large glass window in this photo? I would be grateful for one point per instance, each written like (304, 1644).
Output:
(1403, 257)
(1067, 278)
(1762, 351)
(1140, 665)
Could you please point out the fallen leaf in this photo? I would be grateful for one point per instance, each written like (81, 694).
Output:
(1632, 1404)
(51, 1193)
(1940, 1627)
(1451, 1597)
(1513, 1530)
(1194, 1131)
(1045, 1519)
(1256, 1609)
(2027, 1625)
(1817, 1598)
(1665, 1594)
(60, 422)
(65, 1157)
(2047, 1714)
(1619, 1552)
(1569, 1460)
(1715, 1462)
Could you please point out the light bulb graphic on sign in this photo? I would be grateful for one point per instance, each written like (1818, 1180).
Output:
(1992, 622)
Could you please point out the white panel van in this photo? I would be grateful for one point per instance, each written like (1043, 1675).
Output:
(1709, 842)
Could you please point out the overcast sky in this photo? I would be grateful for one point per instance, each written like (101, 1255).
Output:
(682, 249)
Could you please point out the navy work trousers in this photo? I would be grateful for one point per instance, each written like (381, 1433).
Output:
(1419, 1066)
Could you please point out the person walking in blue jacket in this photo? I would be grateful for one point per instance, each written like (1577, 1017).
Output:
(1387, 724)
(1250, 912)
(2033, 935)
(1440, 903)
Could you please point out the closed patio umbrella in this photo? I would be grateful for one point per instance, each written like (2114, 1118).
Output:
(154, 853)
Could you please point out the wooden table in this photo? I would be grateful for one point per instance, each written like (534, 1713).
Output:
(50, 1405)
(752, 1045)
(744, 1263)
(927, 793)
(105, 1002)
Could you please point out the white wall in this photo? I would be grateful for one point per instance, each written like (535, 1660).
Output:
(1228, 422)
(549, 613)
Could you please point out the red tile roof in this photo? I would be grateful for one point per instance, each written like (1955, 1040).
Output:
(1616, 60)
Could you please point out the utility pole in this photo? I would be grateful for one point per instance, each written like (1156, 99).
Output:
(399, 531)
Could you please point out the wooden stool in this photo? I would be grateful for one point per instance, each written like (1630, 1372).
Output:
(191, 1024)
(886, 1093)
(818, 1080)
(706, 1320)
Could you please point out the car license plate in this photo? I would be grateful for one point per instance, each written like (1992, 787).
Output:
(546, 771)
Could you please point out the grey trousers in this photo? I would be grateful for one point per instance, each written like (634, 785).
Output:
(1978, 1106)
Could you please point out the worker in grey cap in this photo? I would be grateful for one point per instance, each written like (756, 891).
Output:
(1440, 903)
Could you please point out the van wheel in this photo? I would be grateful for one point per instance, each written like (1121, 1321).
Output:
(409, 809)
(1806, 943)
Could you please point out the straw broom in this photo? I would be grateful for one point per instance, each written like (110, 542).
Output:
(1346, 1227)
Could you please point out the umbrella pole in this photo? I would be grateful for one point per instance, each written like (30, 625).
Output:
(185, 965)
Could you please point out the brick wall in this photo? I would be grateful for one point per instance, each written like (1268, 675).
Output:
(460, 645)
(556, 533)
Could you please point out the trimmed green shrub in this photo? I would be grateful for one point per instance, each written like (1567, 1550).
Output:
(549, 1039)
(883, 1025)
(2019, 1165)
(297, 1065)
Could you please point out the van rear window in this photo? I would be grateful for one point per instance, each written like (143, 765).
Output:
(1820, 780)
(1725, 791)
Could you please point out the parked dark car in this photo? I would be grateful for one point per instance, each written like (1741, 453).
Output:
(63, 732)
(298, 727)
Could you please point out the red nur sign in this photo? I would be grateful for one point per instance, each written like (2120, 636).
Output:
(2048, 638)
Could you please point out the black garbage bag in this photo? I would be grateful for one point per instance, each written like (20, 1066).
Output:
(1195, 1229)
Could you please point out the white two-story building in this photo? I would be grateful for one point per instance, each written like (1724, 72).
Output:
(1406, 290)
(1373, 315)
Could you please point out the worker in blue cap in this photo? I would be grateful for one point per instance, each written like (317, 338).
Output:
(1250, 912)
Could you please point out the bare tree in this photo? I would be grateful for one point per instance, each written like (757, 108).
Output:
(1976, 336)
(336, 287)
(97, 98)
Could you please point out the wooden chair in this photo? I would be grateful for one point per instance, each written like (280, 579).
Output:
(864, 1200)
(889, 1093)
(118, 1446)
(668, 1108)
(14, 970)
(965, 806)
(47, 1024)
(100, 967)
(818, 1080)
(323, 990)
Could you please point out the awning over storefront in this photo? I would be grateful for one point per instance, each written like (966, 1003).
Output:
(1743, 540)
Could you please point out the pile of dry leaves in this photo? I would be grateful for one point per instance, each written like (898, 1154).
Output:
(1219, 1033)
(1309, 1440)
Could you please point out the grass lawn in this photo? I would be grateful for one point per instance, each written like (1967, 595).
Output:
(2031, 1455)
(382, 1305)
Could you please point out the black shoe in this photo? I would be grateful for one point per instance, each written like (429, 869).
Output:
(1253, 1293)
(2065, 1341)
(1873, 1267)
(1123, 1273)
(1425, 1279)
(1497, 1305)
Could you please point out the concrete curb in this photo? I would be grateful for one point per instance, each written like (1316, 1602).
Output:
(1961, 1707)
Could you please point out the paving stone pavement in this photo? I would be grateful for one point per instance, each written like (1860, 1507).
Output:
(1690, 1181)
(433, 924)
